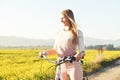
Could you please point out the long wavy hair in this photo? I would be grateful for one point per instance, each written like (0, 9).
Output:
(73, 28)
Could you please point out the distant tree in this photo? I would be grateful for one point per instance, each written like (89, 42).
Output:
(99, 46)
(110, 47)
(90, 47)
(102, 47)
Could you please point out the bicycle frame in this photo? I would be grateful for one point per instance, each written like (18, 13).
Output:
(57, 62)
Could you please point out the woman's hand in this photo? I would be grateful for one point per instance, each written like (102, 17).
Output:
(80, 55)
(43, 54)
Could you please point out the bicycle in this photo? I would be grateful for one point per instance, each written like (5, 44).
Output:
(57, 63)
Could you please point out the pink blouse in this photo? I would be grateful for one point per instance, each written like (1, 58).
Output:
(64, 46)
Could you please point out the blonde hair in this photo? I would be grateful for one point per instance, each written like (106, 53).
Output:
(69, 14)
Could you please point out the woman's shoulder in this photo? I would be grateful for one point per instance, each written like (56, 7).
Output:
(80, 33)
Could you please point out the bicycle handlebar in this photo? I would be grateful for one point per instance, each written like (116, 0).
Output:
(60, 61)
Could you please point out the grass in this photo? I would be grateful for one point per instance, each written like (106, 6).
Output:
(95, 61)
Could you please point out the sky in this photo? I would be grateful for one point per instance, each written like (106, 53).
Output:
(40, 19)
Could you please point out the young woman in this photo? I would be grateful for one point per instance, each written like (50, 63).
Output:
(66, 44)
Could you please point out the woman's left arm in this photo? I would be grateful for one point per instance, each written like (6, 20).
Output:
(81, 46)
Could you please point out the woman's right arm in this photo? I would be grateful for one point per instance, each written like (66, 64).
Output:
(47, 52)
(50, 52)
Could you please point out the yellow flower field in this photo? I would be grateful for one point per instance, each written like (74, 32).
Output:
(26, 65)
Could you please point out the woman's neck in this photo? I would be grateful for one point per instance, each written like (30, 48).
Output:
(66, 28)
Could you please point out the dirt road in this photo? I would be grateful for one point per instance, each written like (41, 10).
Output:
(109, 73)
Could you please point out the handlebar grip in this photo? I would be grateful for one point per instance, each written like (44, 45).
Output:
(42, 54)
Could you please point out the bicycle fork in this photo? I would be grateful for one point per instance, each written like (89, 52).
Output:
(57, 77)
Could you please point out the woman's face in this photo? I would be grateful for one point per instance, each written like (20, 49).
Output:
(65, 20)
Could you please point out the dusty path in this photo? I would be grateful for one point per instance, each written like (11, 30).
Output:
(110, 73)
